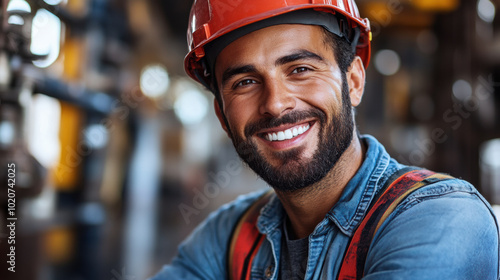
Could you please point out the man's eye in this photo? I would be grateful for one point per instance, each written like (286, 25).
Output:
(245, 82)
(300, 70)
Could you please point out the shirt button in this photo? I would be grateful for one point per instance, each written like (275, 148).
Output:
(269, 271)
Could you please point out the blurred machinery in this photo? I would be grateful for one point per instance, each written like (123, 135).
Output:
(432, 93)
(15, 91)
(60, 229)
(108, 144)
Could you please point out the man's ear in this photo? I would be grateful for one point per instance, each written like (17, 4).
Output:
(356, 81)
(220, 116)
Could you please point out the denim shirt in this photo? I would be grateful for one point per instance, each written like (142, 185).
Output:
(445, 230)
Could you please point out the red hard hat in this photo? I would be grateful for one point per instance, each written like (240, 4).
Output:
(212, 19)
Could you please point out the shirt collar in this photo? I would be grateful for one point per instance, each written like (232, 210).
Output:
(359, 192)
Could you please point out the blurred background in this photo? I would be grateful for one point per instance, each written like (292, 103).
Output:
(118, 155)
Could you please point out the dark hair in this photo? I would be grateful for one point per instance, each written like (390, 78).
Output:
(342, 50)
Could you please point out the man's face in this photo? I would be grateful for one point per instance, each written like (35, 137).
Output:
(286, 103)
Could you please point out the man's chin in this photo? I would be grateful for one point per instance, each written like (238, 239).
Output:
(286, 171)
(289, 157)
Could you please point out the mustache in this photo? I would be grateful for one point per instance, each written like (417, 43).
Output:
(290, 118)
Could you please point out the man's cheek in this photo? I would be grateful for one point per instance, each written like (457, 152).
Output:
(246, 151)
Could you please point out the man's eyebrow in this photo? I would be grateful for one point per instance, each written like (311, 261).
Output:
(232, 71)
(298, 55)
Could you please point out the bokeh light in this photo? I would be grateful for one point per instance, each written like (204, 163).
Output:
(486, 10)
(154, 80)
(462, 90)
(387, 62)
(191, 107)
(18, 5)
(45, 37)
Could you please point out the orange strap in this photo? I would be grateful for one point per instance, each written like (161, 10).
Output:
(246, 239)
(354, 260)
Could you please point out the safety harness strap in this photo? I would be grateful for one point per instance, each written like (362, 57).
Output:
(246, 239)
(355, 257)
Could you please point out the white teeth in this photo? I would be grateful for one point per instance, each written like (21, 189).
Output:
(287, 134)
(281, 136)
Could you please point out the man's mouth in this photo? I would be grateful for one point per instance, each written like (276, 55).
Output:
(287, 134)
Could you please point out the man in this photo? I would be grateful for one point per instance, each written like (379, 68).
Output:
(286, 77)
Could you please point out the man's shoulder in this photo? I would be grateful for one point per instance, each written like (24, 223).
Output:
(242, 202)
(450, 197)
(229, 213)
(444, 225)
(436, 187)
(447, 187)
(441, 190)
(217, 227)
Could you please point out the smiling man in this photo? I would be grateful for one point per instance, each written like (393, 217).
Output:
(286, 76)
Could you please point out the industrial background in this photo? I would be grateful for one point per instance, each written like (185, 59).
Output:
(118, 155)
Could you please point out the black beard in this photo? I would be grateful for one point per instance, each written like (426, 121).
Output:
(296, 173)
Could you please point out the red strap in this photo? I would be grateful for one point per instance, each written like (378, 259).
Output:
(355, 258)
(246, 241)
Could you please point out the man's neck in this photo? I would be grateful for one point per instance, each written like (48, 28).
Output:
(307, 207)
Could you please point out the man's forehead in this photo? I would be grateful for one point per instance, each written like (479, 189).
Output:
(273, 41)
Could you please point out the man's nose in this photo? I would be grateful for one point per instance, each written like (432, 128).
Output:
(277, 100)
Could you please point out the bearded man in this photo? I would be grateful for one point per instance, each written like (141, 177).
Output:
(286, 76)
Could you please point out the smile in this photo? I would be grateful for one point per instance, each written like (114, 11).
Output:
(287, 134)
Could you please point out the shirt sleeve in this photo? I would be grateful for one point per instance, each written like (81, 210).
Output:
(440, 235)
(202, 256)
